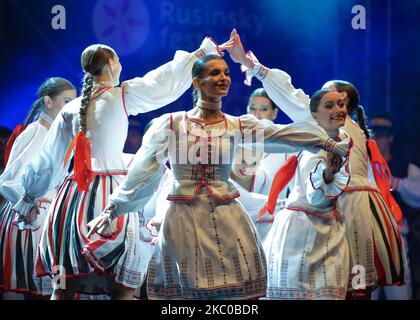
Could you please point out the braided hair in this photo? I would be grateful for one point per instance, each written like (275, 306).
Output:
(362, 120)
(353, 105)
(51, 87)
(93, 59)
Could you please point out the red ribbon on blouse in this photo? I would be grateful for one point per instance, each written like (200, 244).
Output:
(83, 173)
(281, 179)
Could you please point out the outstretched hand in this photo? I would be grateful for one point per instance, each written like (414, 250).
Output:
(225, 46)
(237, 52)
(334, 163)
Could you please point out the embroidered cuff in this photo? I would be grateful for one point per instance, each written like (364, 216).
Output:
(24, 205)
(258, 71)
(208, 47)
(22, 210)
(341, 148)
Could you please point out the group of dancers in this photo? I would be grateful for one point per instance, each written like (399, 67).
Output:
(186, 217)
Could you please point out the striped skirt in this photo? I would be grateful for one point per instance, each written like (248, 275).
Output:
(63, 251)
(207, 249)
(377, 256)
(18, 254)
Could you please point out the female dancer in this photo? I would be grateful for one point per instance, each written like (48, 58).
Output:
(18, 247)
(376, 255)
(260, 105)
(207, 246)
(307, 251)
(101, 115)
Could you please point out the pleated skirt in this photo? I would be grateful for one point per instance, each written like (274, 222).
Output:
(65, 252)
(207, 249)
(307, 257)
(18, 254)
(377, 256)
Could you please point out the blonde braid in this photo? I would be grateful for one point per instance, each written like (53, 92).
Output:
(86, 93)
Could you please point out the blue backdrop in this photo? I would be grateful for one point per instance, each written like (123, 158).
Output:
(312, 40)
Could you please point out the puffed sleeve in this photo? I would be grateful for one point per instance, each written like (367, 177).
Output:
(298, 136)
(165, 84)
(318, 192)
(278, 85)
(46, 170)
(24, 148)
(146, 170)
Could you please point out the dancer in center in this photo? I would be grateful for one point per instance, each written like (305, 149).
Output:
(207, 246)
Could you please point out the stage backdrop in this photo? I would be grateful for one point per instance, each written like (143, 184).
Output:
(313, 41)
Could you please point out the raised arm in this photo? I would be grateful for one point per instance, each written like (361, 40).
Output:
(277, 83)
(168, 82)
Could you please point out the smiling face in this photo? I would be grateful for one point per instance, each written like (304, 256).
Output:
(262, 108)
(331, 112)
(214, 82)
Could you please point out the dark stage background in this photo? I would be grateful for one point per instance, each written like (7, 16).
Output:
(313, 41)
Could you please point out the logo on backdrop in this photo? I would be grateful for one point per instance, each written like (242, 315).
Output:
(124, 25)
(181, 25)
